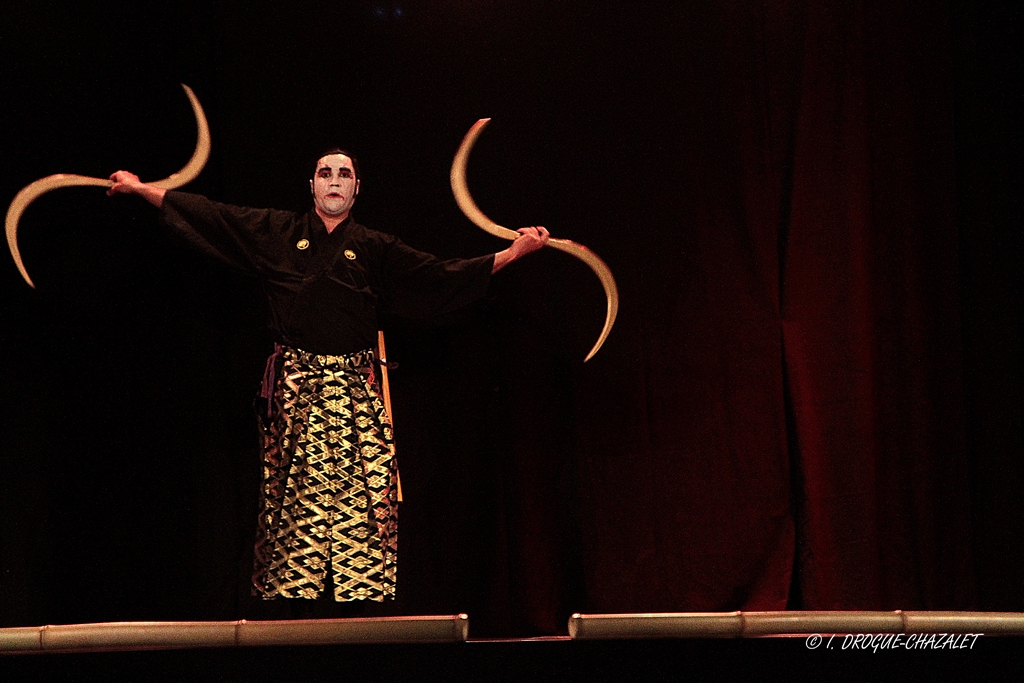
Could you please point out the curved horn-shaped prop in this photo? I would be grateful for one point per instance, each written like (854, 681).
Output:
(33, 190)
(473, 213)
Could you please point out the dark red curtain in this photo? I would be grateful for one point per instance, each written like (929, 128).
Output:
(787, 427)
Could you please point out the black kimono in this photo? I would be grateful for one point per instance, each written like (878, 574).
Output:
(329, 493)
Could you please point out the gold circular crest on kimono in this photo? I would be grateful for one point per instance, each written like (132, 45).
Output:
(350, 255)
(302, 244)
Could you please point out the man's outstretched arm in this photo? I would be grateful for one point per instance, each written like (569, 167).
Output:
(530, 240)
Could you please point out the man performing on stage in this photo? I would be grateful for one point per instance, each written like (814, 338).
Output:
(329, 503)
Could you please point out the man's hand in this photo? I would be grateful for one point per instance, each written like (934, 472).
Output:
(529, 240)
(125, 182)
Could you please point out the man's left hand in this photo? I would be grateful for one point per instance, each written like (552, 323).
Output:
(530, 239)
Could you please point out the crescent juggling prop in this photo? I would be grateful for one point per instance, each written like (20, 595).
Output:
(32, 191)
(473, 213)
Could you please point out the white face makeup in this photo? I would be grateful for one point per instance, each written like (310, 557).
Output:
(334, 186)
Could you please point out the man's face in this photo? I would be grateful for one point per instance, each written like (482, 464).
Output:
(334, 186)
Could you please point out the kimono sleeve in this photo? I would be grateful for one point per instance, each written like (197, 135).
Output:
(418, 285)
(244, 238)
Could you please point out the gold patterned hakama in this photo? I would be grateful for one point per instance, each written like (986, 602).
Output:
(329, 499)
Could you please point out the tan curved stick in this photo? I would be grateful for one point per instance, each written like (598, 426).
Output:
(32, 191)
(473, 213)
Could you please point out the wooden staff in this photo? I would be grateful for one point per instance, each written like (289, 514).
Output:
(382, 356)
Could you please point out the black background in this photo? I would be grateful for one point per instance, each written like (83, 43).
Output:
(671, 472)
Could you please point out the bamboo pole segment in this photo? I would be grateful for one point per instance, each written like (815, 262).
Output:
(759, 624)
(169, 635)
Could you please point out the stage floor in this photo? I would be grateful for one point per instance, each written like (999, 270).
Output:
(559, 659)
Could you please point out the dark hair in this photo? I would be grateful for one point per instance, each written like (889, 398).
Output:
(337, 150)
